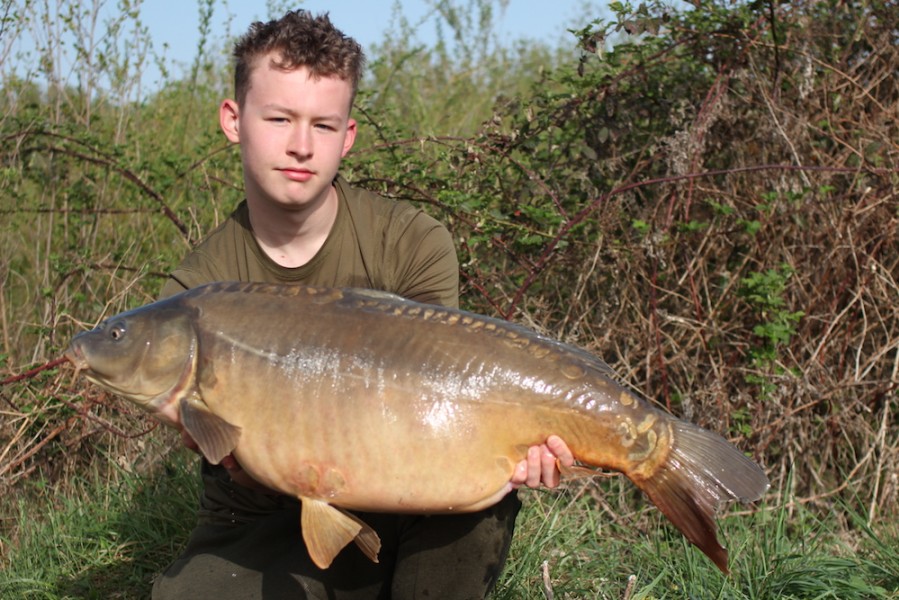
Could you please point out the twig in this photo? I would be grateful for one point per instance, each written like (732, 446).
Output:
(29, 374)
(547, 581)
(629, 590)
(104, 160)
(565, 229)
(133, 178)
(881, 442)
(83, 412)
(34, 449)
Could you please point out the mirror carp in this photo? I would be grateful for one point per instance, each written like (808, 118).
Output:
(362, 400)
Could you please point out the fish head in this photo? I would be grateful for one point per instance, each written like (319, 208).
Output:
(147, 355)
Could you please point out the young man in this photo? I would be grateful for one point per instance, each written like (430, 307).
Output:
(295, 81)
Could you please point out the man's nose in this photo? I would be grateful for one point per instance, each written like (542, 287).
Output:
(300, 142)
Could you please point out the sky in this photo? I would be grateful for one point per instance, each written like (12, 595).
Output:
(175, 22)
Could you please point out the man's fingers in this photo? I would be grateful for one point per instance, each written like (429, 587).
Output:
(550, 474)
(520, 474)
(542, 464)
(534, 466)
(560, 449)
(189, 442)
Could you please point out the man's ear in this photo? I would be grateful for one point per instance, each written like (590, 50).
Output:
(229, 120)
(349, 138)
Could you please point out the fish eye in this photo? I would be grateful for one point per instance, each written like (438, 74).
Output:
(117, 331)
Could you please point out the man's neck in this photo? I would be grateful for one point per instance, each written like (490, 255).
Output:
(292, 238)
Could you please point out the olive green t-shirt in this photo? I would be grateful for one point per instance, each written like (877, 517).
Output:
(375, 243)
(245, 542)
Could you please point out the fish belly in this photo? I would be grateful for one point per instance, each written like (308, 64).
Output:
(385, 453)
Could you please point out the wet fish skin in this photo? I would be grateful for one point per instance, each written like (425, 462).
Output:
(354, 399)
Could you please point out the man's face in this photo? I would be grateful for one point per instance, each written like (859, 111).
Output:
(293, 132)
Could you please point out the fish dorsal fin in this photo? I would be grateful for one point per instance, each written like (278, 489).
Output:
(327, 530)
(215, 436)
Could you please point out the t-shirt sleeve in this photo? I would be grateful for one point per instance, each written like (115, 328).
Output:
(424, 261)
(196, 269)
(216, 258)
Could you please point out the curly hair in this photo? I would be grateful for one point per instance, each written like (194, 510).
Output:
(298, 39)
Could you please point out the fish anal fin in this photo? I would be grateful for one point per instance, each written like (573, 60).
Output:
(367, 539)
(327, 530)
(215, 436)
(579, 472)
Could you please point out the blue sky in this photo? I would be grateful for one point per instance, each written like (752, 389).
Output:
(175, 23)
(173, 29)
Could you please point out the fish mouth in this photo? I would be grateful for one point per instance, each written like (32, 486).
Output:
(76, 357)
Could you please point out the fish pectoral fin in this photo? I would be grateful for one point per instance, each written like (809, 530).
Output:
(327, 530)
(215, 436)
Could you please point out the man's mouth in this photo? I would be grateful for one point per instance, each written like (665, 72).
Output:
(300, 175)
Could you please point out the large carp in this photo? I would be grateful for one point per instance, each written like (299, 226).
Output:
(355, 399)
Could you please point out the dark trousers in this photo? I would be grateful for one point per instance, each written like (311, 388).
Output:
(243, 551)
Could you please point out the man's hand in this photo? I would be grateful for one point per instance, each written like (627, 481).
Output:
(541, 466)
(235, 471)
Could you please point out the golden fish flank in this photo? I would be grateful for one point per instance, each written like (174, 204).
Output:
(361, 400)
(442, 416)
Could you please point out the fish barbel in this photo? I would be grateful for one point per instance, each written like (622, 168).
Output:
(363, 400)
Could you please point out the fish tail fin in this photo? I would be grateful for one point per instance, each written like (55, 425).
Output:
(702, 471)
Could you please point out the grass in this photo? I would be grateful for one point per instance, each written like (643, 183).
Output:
(567, 547)
(102, 539)
(112, 530)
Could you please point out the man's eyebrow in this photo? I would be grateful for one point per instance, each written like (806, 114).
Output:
(289, 111)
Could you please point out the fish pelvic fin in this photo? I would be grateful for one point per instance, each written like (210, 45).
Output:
(702, 471)
(327, 530)
(215, 436)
